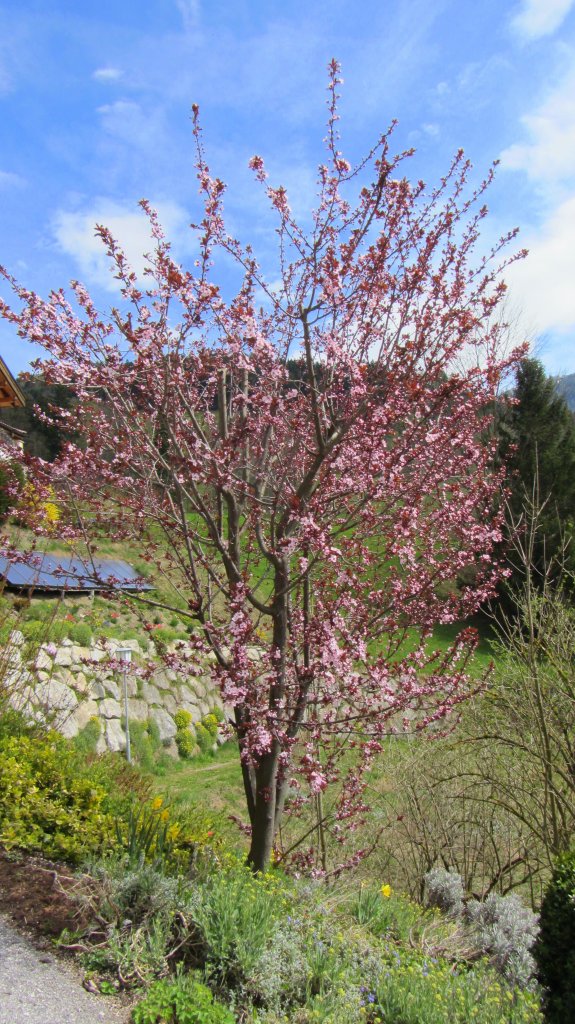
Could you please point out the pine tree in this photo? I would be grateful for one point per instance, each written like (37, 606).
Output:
(538, 441)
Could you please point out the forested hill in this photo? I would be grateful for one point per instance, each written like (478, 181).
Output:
(566, 388)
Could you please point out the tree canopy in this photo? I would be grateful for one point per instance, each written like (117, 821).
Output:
(311, 528)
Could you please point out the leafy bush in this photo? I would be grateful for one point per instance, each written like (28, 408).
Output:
(186, 743)
(555, 948)
(384, 913)
(86, 741)
(210, 724)
(444, 891)
(145, 744)
(505, 931)
(185, 738)
(235, 913)
(183, 719)
(204, 737)
(182, 1001)
(80, 633)
(416, 989)
(11, 476)
(48, 802)
(14, 723)
(44, 631)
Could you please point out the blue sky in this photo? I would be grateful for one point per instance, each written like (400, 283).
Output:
(95, 113)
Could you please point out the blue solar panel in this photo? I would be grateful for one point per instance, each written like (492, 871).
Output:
(53, 572)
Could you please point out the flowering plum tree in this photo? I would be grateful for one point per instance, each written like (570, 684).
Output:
(310, 520)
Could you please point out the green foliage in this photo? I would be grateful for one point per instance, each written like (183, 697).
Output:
(80, 633)
(14, 723)
(555, 947)
(185, 739)
(182, 1001)
(186, 743)
(235, 913)
(204, 737)
(48, 802)
(149, 831)
(210, 724)
(43, 631)
(384, 913)
(146, 834)
(145, 744)
(416, 989)
(11, 474)
(183, 719)
(86, 741)
(41, 439)
(537, 440)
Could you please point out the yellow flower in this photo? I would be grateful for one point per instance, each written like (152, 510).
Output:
(157, 803)
(386, 891)
(165, 815)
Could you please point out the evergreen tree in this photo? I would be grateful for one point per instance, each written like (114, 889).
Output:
(43, 439)
(538, 442)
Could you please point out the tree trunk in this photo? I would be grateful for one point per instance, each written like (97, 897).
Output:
(263, 817)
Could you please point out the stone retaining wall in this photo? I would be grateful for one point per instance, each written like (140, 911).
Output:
(67, 685)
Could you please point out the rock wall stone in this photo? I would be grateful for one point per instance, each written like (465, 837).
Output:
(66, 685)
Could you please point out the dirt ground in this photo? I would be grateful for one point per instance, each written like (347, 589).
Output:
(33, 894)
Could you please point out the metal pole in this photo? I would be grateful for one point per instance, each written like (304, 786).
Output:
(125, 656)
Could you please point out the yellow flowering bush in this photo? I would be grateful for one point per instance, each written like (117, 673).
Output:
(48, 801)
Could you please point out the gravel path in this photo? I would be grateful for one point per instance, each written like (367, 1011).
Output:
(37, 988)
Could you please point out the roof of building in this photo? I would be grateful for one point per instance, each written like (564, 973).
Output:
(10, 393)
(59, 573)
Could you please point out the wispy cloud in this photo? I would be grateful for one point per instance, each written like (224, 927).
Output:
(548, 155)
(190, 12)
(130, 122)
(537, 18)
(10, 180)
(107, 74)
(74, 232)
(543, 284)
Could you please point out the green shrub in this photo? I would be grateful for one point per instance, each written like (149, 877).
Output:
(48, 802)
(86, 741)
(182, 1001)
(385, 913)
(415, 989)
(14, 723)
(555, 947)
(145, 744)
(43, 631)
(235, 914)
(210, 723)
(204, 738)
(183, 719)
(80, 633)
(10, 474)
(186, 743)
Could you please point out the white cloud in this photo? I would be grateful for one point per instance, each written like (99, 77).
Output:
(538, 18)
(74, 232)
(190, 11)
(10, 180)
(107, 74)
(549, 155)
(543, 285)
(129, 122)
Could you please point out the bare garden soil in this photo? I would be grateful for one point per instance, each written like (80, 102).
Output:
(34, 894)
